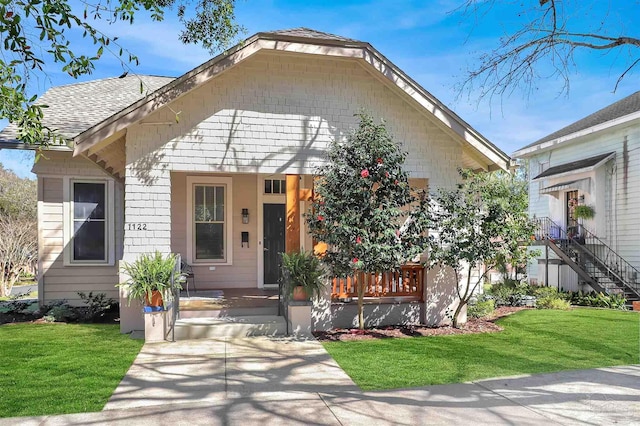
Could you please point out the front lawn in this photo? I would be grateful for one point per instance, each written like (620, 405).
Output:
(61, 368)
(533, 341)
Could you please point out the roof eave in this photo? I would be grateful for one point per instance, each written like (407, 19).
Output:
(15, 144)
(545, 146)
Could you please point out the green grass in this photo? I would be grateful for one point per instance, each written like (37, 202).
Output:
(61, 368)
(534, 341)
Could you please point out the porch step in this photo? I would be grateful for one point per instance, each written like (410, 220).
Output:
(187, 312)
(237, 326)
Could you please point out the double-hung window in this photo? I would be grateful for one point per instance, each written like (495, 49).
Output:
(89, 224)
(210, 221)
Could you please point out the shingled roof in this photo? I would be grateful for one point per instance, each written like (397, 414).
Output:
(304, 32)
(74, 108)
(619, 109)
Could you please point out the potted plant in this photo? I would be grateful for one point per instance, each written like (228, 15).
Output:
(302, 274)
(150, 278)
(583, 212)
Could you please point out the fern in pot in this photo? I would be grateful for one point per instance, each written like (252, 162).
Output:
(150, 278)
(303, 275)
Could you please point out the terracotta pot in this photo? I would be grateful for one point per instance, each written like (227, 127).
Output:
(156, 299)
(636, 306)
(299, 293)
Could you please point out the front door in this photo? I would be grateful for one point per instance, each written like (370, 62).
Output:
(274, 228)
(572, 223)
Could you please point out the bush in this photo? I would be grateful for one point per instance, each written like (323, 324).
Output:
(509, 292)
(598, 300)
(480, 308)
(58, 311)
(97, 306)
(553, 302)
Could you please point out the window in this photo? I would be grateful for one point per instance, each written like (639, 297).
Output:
(88, 226)
(89, 221)
(275, 186)
(209, 220)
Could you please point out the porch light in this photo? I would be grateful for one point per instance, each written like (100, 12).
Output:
(245, 216)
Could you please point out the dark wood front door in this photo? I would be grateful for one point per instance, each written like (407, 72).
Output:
(273, 242)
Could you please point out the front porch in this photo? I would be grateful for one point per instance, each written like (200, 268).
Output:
(230, 230)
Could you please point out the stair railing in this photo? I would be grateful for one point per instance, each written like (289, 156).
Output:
(614, 265)
(177, 278)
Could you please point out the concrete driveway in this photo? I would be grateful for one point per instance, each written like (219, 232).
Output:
(263, 381)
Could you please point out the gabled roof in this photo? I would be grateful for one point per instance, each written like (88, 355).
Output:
(300, 41)
(618, 110)
(73, 108)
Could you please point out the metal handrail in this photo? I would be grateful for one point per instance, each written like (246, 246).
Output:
(176, 279)
(597, 249)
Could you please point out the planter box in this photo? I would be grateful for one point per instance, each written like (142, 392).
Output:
(636, 306)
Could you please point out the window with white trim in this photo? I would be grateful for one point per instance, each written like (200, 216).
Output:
(209, 220)
(89, 219)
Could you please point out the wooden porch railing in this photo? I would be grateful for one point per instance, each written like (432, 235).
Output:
(407, 281)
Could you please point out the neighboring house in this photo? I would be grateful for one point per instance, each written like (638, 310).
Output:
(213, 164)
(593, 162)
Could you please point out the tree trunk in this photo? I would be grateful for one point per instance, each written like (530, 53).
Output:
(360, 288)
(454, 321)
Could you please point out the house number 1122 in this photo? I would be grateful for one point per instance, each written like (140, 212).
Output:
(136, 226)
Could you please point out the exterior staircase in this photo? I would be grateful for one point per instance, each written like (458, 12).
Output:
(596, 264)
(204, 317)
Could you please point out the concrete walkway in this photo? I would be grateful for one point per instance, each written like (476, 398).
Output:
(262, 381)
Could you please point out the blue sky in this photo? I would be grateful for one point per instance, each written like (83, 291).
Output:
(424, 38)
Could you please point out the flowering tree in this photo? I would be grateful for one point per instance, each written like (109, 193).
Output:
(481, 223)
(364, 209)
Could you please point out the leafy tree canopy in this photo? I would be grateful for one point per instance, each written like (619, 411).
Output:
(35, 32)
(18, 197)
(480, 224)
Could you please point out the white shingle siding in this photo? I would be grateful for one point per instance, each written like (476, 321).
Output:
(147, 201)
(276, 114)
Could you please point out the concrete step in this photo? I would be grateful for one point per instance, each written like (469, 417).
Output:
(186, 312)
(241, 326)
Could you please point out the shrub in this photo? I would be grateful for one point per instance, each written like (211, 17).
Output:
(542, 292)
(598, 300)
(509, 292)
(481, 308)
(97, 306)
(553, 302)
(59, 311)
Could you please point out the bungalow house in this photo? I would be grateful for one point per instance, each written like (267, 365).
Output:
(239, 135)
(591, 166)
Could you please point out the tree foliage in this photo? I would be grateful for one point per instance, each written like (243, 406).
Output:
(364, 209)
(482, 222)
(549, 36)
(17, 196)
(39, 32)
(18, 228)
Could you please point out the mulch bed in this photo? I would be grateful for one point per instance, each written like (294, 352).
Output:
(473, 326)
